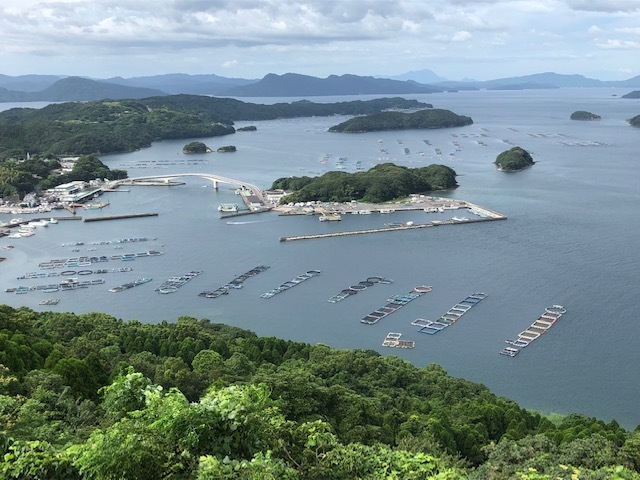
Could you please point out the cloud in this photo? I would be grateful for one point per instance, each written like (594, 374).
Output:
(461, 36)
(610, 6)
(615, 44)
(229, 64)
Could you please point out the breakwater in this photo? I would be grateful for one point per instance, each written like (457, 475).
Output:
(119, 217)
(389, 229)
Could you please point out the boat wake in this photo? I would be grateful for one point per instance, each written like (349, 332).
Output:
(245, 223)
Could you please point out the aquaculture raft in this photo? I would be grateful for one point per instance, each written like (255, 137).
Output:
(235, 283)
(358, 287)
(432, 327)
(126, 286)
(172, 284)
(395, 302)
(392, 340)
(541, 325)
(291, 283)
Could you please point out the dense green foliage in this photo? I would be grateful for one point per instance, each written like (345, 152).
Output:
(108, 126)
(513, 160)
(384, 182)
(582, 115)
(635, 121)
(90, 396)
(432, 118)
(227, 148)
(18, 178)
(195, 147)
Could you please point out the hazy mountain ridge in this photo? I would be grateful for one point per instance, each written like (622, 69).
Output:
(53, 88)
(77, 89)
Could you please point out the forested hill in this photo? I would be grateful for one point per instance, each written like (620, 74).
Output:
(432, 118)
(93, 397)
(110, 126)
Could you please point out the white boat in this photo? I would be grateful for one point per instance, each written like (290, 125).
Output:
(228, 207)
(387, 210)
(330, 217)
(364, 212)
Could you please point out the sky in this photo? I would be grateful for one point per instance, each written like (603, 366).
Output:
(456, 39)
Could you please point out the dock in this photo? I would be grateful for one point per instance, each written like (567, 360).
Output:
(534, 331)
(389, 229)
(120, 217)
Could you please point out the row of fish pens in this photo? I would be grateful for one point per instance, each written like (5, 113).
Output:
(395, 302)
(358, 287)
(432, 327)
(535, 330)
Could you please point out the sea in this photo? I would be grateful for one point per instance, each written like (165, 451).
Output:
(571, 238)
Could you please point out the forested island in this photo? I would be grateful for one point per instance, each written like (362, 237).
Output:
(583, 115)
(382, 183)
(248, 128)
(93, 397)
(196, 147)
(513, 160)
(110, 126)
(227, 149)
(429, 118)
(635, 121)
(39, 174)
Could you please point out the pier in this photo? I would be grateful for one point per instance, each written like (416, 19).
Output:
(120, 217)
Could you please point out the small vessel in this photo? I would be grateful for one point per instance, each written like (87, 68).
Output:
(95, 205)
(330, 217)
(49, 301)
(228, 207)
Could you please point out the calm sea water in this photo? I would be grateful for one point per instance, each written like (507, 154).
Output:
(571, 239)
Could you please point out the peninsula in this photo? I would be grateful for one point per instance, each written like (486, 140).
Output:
(430, 118)
(635, 121)
(196, 147)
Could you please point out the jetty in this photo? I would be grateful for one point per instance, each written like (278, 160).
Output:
(358, 287)
(431, 327)
(236, 283)
(120, 217)
(545, 321)
(395, 302)
(291, 283)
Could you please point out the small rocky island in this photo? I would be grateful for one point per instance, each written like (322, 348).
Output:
(196, 147)
(514, 160)
(430, 118)
(582, 115)
(248, 128)
(227, 148)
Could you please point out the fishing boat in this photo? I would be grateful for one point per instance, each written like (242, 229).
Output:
(49, 301)
(330, 217)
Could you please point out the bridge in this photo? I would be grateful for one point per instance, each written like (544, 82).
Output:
(215, 179)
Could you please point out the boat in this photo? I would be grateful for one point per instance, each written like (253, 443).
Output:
(330, 217)
(387, 210)
(95, 205)
(228, 207)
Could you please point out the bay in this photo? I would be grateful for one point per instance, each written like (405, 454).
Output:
(571, 238)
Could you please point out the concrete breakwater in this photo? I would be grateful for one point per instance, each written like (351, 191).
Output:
(119, 217)
(389, 229)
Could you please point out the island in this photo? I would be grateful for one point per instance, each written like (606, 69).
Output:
(635, 121)
(114, 126)
(248, 128)
(583, 115)
(634, 94)
(514, 160)
(227, 148)
(196, 147)
(429, 118)
(382, 183)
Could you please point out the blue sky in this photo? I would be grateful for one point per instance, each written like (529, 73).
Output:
(481, 39)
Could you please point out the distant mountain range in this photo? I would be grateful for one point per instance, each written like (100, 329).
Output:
(52, 88)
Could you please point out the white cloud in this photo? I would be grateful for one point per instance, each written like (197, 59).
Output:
(461, 36)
